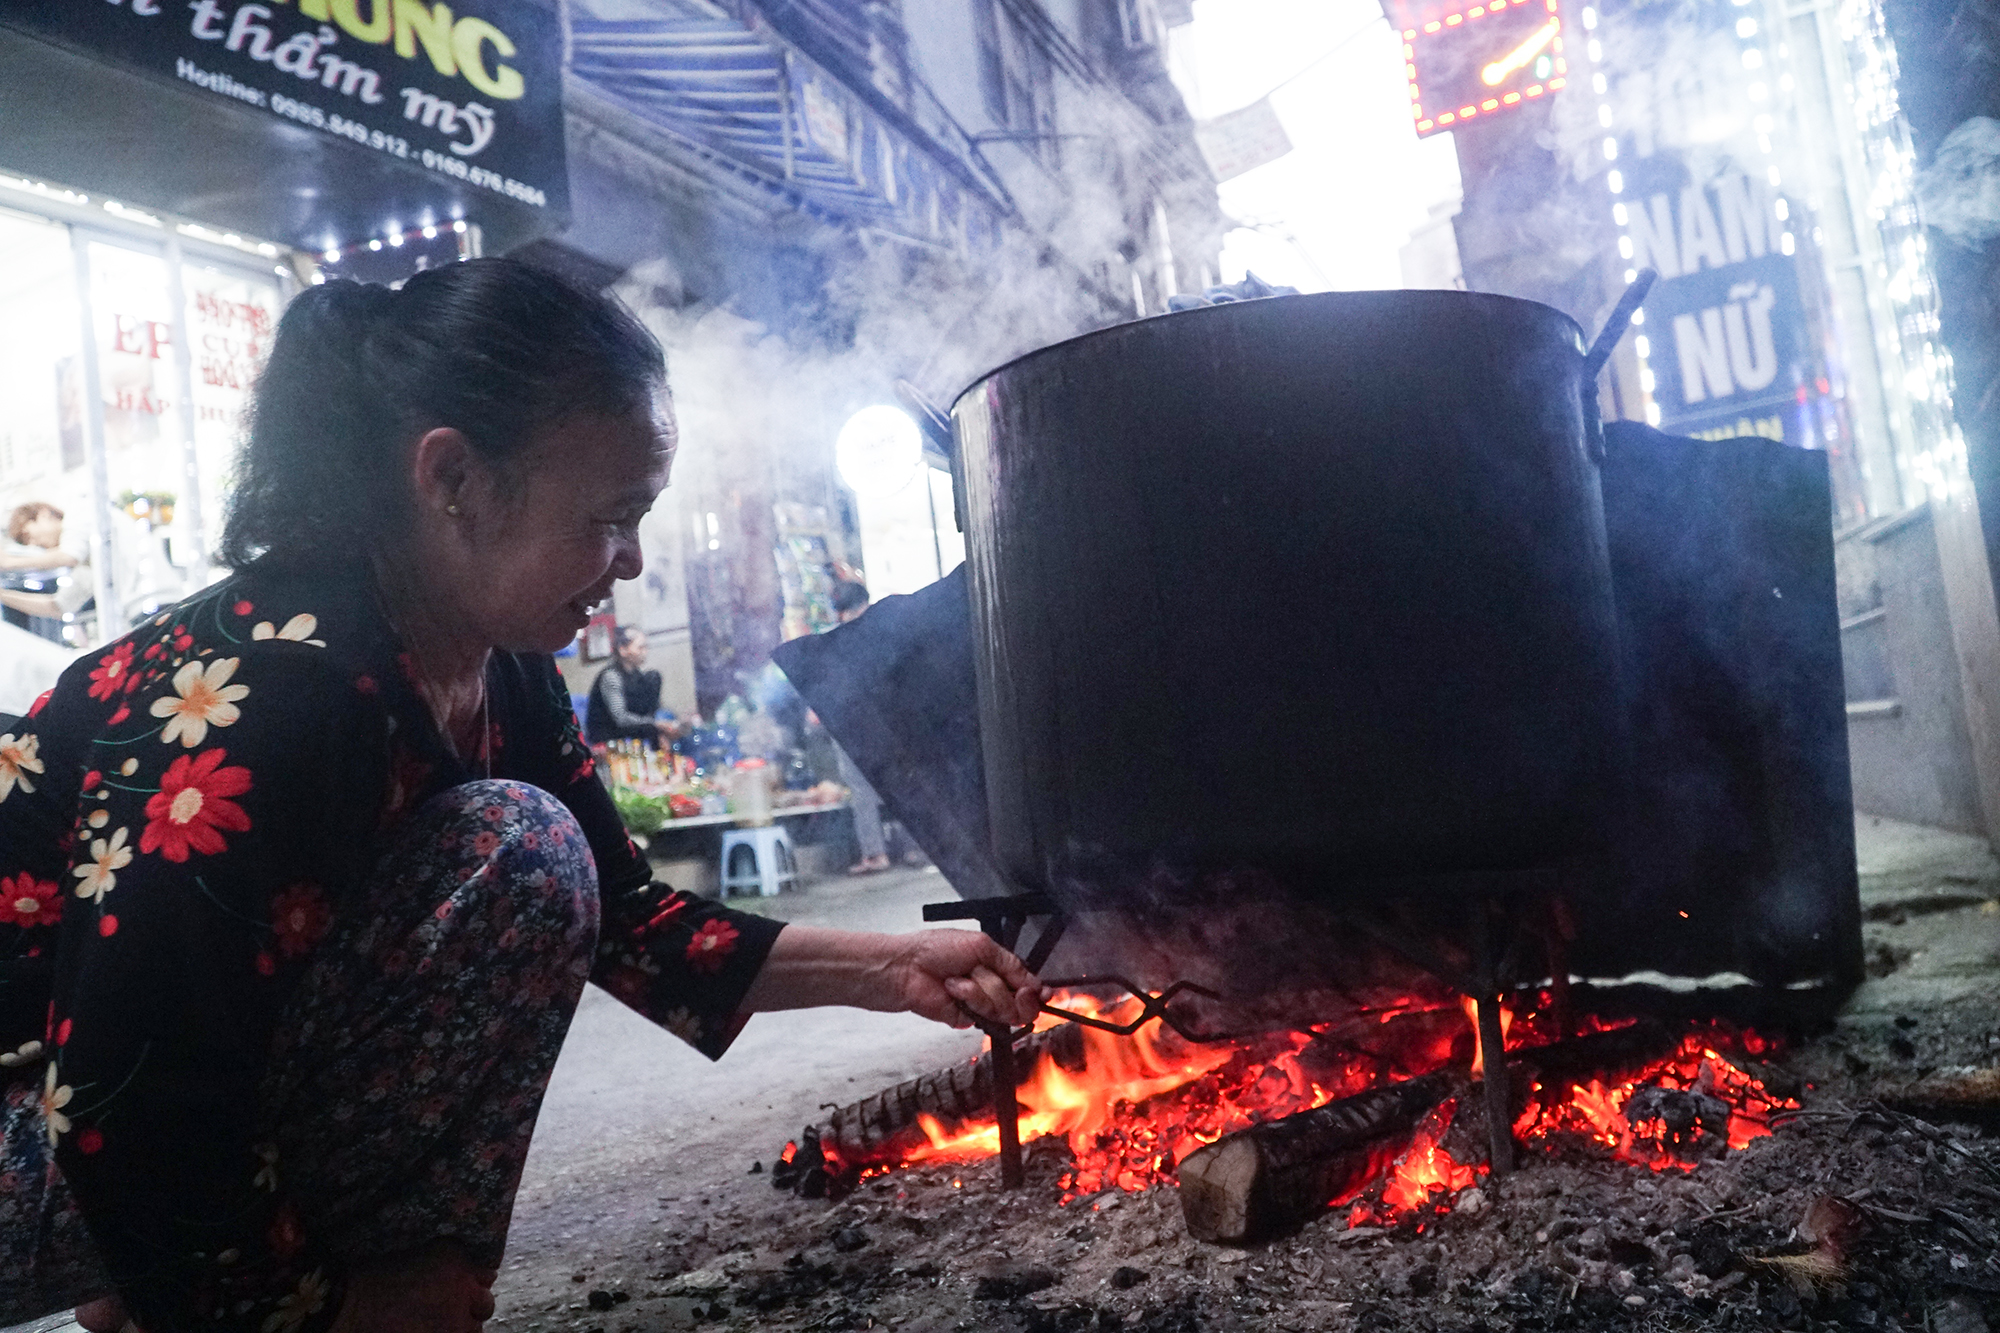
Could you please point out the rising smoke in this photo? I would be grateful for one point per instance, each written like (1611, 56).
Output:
(1959, 193)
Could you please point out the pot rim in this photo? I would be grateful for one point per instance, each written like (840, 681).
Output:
(1494, 300)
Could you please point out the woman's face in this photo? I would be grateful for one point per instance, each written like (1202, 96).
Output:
(544, 542)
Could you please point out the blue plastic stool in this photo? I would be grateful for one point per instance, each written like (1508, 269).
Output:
(759, 860)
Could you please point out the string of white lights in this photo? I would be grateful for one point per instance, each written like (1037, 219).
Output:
(1917, 378)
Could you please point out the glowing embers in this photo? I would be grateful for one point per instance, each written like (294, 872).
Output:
(1482, 60)
(1693, 1104)
(1421, 1182)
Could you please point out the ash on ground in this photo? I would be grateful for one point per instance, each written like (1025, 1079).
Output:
(1572, 1241)
(1850, 1216)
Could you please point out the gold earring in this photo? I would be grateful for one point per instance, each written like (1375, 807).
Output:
(451, 509)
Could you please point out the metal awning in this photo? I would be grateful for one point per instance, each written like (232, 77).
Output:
(737, 93)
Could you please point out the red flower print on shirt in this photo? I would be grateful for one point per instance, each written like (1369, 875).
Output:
(27, 901)
(192, 807)
(711, 946)
(299, 916)
(41, 702)
(113, 672)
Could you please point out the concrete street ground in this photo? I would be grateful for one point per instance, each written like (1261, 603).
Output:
(638, 1128)
(642, 1141)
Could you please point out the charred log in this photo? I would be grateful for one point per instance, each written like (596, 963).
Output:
(1598, 1055)
(1966, 1095)
(1268, 1178)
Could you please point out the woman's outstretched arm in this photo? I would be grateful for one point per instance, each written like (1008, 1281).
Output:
(949, 976)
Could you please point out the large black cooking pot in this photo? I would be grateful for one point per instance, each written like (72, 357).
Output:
(1311, 585)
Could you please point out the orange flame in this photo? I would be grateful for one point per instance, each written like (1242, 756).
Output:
(1471, 1008)
(1423, 1179)
(1093, 1109)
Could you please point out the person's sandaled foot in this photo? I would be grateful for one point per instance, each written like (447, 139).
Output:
(869, 865)
(106, 1314)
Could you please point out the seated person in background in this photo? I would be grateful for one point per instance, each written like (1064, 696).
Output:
(32, 594)
(625, 697)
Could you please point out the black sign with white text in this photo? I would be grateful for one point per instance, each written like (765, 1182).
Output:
(1725, 324)
(469, 91)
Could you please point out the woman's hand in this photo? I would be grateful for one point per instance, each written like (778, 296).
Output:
(949, 976)
(434, 1290)
(942, 974)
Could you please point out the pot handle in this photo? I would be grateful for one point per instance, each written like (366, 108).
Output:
(1617, 322)
(935, 425)
(1614, 328)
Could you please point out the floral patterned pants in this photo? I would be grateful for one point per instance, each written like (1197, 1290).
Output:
(408, 1070)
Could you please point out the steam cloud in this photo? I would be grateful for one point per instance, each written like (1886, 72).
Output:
(1959, 193)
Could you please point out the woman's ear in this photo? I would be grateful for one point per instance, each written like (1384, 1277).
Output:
(442, 467)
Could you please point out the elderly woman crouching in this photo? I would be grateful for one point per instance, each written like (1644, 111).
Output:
(300, 882)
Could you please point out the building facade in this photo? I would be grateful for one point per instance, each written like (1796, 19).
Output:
(171, 176)
(823, 207)
(819, 206)
(1756, 156)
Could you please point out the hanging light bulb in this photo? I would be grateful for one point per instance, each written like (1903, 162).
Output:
(879, 451)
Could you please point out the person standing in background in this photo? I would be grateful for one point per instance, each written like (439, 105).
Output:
(625, 697)
(850, 599)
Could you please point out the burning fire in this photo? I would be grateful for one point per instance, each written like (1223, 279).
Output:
(1595, 1112)
(1192, 1095)
(1141, 1104)
(1423, 1179)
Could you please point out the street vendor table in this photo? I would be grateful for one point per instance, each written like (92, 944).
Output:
(709, 828)
(781, 812)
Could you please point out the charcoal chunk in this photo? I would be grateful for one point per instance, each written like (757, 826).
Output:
(1013, 1285)
(1127, 1278)
(1712, 1253)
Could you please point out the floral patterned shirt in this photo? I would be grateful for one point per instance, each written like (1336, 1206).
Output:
(182, 819)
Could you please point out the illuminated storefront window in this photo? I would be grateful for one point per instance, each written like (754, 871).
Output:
(177, 334)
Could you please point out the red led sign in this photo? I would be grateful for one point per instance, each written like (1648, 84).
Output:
(1480, 60)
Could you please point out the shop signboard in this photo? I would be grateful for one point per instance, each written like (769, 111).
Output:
(1725, 325)
(1727, 346)
(1480, 59)
(1242, 140)
(470, 91)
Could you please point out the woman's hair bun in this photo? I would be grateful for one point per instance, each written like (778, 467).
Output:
(495, 348)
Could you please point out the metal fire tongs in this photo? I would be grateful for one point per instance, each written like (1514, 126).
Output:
(1003, 920)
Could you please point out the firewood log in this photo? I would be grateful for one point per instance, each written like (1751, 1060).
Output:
(1264, 1180)
(884, 1127)
(1268, 1178)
